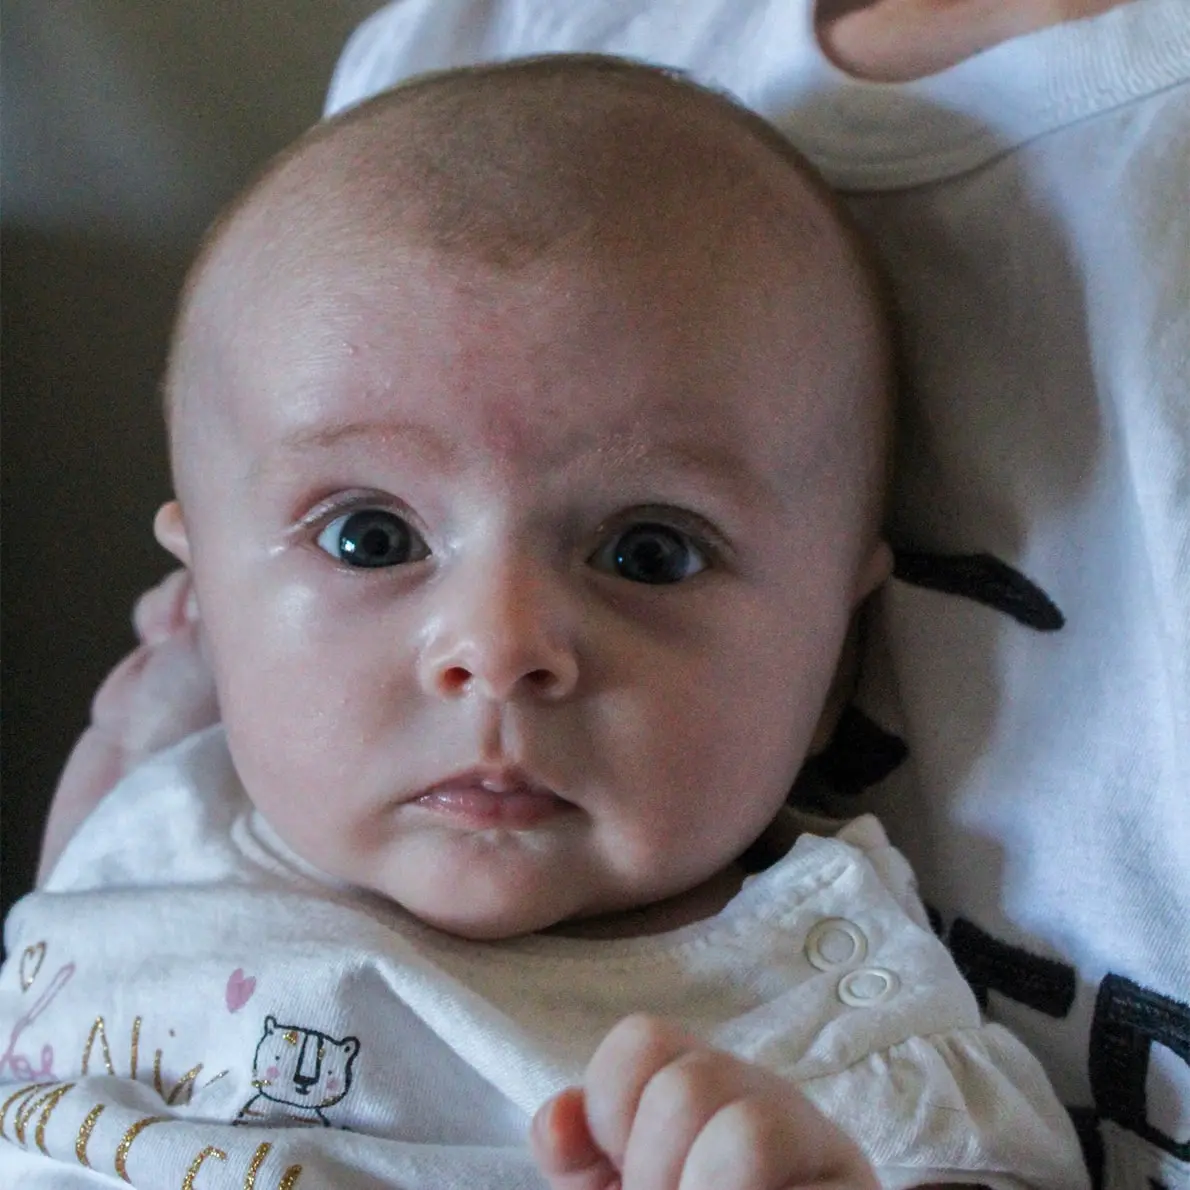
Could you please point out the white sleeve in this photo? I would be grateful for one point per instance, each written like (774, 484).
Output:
(952, 1099)
(890, 865)
(975, 1101)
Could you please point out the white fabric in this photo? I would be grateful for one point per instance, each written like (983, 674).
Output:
(1033, 208)
(178, 920)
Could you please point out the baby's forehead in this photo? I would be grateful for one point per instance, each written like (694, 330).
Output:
(565, 365)
(359, 264)
(673, 191)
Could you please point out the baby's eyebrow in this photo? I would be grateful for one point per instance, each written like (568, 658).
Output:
(439, 450)
(324, 437)
(704, 459)
(699, 458)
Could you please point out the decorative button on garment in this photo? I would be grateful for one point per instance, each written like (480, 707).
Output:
(867, 986)
(835, 942)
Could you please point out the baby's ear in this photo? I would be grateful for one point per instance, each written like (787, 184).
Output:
(873, 575)
(875, 572)
(169, 527)
(841, 691)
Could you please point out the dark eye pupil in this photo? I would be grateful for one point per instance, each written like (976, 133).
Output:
(652, 554)
(373, 538)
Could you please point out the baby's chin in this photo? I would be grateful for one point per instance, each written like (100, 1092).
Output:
(595, 920)
(488, 911)
(480, 914)
(498, 917)
(487, 900)
(488, 914)
(482, 927)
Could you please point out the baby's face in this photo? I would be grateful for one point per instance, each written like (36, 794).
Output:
(524, 590)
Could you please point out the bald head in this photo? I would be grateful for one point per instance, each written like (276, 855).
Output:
(506, 164)
(575, 158)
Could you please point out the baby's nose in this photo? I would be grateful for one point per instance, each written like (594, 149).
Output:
(503, 640)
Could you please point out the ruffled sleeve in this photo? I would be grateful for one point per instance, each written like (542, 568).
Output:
(965, 1105)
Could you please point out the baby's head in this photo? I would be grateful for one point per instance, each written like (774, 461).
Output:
(528, 427)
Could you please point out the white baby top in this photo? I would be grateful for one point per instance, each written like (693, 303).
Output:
(1033, 207)
(185, 995)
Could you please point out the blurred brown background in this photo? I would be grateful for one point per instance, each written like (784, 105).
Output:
(126, 124)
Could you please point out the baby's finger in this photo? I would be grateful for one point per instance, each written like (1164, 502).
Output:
(564, 1149)
(674, 1108)
(157, 695)
(626, 1060)
(166, 608)
(774, 1141)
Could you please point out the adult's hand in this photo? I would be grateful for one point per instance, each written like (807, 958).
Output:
(160, 693)
(892, 41)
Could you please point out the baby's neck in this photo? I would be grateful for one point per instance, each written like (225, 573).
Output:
(696, 904)
(707, 899)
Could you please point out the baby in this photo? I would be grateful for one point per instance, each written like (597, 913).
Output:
(530, 493)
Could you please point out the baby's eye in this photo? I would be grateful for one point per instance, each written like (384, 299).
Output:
(650, 553)
(372, 537)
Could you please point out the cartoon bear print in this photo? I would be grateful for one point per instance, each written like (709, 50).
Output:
(301, 1069)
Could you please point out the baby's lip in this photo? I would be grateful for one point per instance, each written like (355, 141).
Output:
(484, 796)
(501, 779)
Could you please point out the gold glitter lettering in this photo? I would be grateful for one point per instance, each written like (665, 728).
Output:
(50, 1102)
(31, 959)
(27, 1109)
(254, 1168)
(157, 1075)
(85, 1130)
(196, 1165)
(292, 1037)
(185, 1085)
(125, 1145)
(25, 1092)
(288, 1178)
(134, 1057)
(98, 1030)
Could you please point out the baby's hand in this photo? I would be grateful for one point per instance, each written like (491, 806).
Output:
(160, 693)
(658, 1110)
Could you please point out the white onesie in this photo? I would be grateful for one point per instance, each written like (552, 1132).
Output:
(185, 998)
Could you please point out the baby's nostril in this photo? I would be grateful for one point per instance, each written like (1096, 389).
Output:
(455, 678)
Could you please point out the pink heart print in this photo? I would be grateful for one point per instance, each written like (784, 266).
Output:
(239, 989)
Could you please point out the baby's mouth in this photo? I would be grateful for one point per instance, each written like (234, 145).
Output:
(482, 799)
